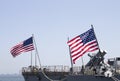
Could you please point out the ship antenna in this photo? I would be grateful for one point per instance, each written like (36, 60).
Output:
(71, 69)
(36, 52)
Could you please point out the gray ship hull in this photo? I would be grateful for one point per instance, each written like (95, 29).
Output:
(41, 77)
(95, 70)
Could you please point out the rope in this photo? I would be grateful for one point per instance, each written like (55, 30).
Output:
(115, 79)
(50, 78)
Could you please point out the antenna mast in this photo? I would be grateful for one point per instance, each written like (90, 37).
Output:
(71, 69)
(36, 52)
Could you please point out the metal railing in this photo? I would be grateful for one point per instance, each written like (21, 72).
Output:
(56, 68)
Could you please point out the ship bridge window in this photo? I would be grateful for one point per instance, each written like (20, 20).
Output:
(118, 59)
(111, 61)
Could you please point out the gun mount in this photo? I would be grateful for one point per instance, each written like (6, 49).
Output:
(96, 59)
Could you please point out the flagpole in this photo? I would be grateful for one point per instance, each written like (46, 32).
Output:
(71, 69)
(82, 61)
(36, 50)
(35, 59)
(83, 67)
(31, 58)
(95, 37)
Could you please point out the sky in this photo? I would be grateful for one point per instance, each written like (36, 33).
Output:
(52, 22)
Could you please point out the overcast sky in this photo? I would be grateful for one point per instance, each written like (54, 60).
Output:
(52, 22)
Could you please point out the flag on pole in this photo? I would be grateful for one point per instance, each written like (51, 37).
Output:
(24, 46)
(81, 44)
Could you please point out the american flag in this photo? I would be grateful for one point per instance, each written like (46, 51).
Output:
(81, 44)
(24, 46)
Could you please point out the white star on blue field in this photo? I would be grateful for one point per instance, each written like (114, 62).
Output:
(52, 22)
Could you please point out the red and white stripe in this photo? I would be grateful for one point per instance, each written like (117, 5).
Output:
(19, 48)
(78, 49)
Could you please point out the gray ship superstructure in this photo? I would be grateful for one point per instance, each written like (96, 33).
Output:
(95, 70)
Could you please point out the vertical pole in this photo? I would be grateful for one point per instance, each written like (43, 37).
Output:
(82, 61)
(31, 58)
(115, 60)
(97, 43)
(70, 59)
(83, 67)
(95, 37)
(36, 55)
